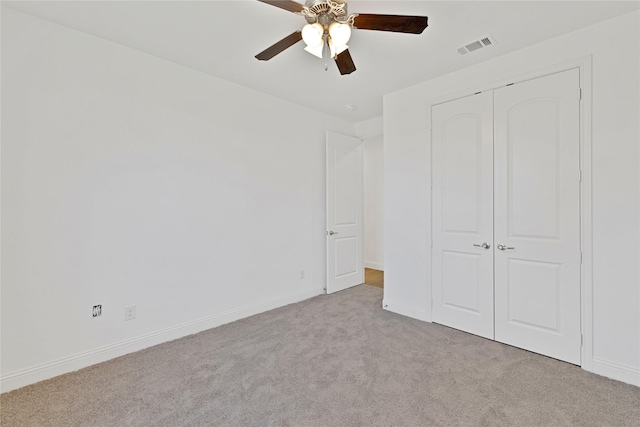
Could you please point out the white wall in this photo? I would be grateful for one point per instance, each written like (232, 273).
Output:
(373, 202)
(613, 340)
(129, 180)
(370, 131)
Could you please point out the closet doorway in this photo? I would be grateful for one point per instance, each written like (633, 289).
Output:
(506, 215)
(373, 159)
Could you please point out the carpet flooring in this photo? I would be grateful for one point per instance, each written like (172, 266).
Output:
(333, 360)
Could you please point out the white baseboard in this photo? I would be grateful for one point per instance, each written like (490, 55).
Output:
(615, 371)
(374, 265)
(407, 310)
(33, 374)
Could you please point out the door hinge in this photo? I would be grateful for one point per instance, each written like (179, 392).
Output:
(580, 94)
(581, 340)
(580, 257)
(580, 175)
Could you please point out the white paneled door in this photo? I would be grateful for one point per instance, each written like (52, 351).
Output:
(537, 215)
(463, 214)
(506, 215)
(345, 230)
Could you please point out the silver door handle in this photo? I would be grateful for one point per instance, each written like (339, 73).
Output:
(483, 245)
(504, 248)
(331, 233)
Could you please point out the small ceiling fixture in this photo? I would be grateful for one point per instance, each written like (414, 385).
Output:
(485, 41)
(328, 29)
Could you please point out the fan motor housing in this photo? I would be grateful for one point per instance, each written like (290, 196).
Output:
(333, 9)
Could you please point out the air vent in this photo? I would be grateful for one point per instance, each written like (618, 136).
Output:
(486, 41)
(476, 45)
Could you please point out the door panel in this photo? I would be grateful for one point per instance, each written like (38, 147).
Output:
(460, 274)
(534, 303)
(347, 169)
(346, 256)
(462, 174)
(533, 196)
(345, 266)
(537, 217)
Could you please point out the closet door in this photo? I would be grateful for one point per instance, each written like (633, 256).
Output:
(462, 228)
(537, 216)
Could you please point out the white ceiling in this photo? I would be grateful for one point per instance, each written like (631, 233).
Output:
(221, 38)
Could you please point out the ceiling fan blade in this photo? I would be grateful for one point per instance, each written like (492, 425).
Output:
(345, 62)
(283, 44)
(289, 5)
(395, 23)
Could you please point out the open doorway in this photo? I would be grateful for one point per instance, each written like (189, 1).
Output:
(373, 201)
(374, 277)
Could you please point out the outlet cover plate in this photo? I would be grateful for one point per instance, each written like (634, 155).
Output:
(130, 312)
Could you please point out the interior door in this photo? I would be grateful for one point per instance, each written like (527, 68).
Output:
(462, 227)
(537, 216)
(345, 231)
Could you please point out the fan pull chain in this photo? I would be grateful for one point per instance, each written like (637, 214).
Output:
(325, 52)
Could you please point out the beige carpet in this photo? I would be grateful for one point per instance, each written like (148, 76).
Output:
(337, 360)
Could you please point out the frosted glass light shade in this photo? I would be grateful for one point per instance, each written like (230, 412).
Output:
(336, 50)
(340, 33)
(315, 50)
(312, 35)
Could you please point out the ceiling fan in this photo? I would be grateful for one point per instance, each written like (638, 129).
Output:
(328, 29)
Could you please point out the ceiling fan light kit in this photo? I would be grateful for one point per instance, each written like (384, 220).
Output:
(340, 33)
(312, 34)
(329, 26)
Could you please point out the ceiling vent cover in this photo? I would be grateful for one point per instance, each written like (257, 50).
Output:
(476, 45)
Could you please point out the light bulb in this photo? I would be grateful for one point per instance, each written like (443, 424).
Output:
(340, 33)
(312, 34)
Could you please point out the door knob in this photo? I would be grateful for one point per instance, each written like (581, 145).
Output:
(483, 245)
(504, 248)
(331, 233)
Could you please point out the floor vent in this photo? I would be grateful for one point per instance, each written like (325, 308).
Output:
(476, 45)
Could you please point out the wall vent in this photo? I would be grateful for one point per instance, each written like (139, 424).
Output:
(476, 45)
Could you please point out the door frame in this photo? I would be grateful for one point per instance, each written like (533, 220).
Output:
(584, 64)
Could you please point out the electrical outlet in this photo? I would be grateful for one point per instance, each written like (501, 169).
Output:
(130, 312)
(97, 310)
(302, 274)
